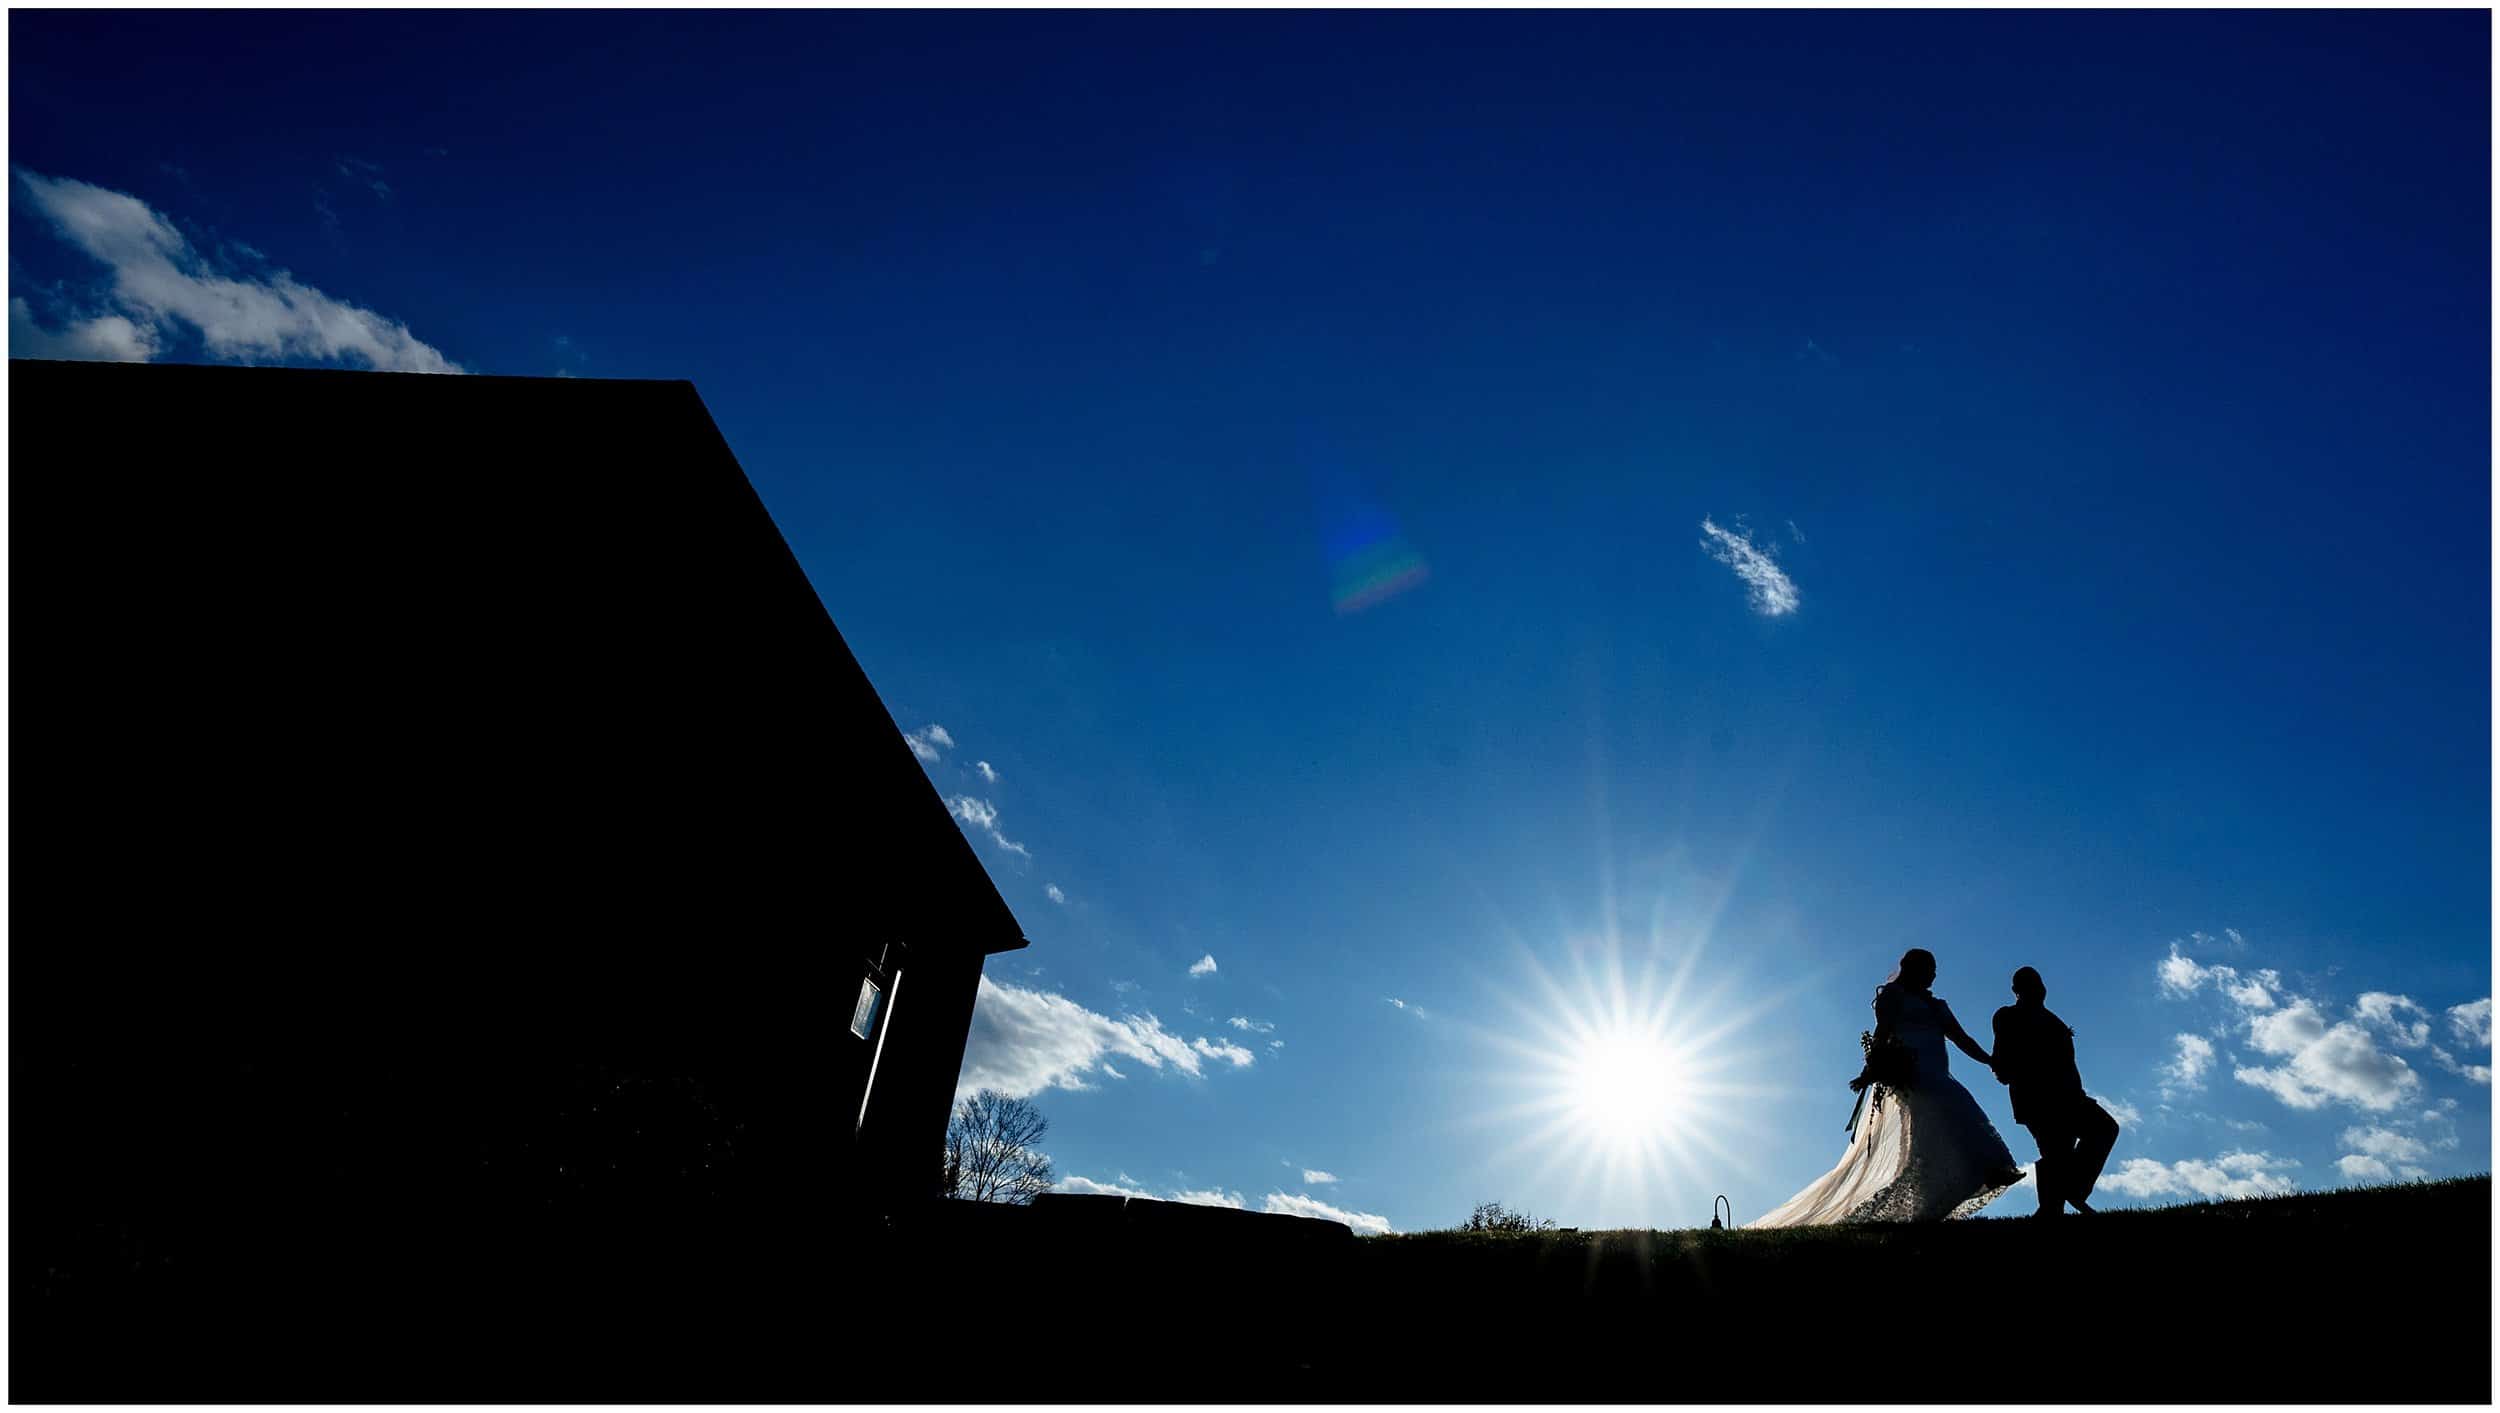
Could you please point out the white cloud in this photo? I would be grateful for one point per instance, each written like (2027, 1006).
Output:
(1203, 966)
(1305, 1205)
(987, 771)
(1025, 1041)
(1394, 1001)
(1314, 1177)
(1115, 1074)
(1223, 1050)
(929, 741)
(2389, 1013)
(1769, 589)
(2386, 1143)
(105, 338)
(2185, 1074)
(2125, 1113)
(983, 815)
(1210, 1197)
(1052, 892)
(2362, 1168)
(1276, 1045)
(1073, 1183)
(1256, 1027)
(2324, 1063)
(2478, 1074)
(2180, 976)
(2471, 1022)
(158, 280)
(2249, 995)
(2232, 1175)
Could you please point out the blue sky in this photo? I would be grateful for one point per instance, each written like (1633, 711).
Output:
(1408, 505)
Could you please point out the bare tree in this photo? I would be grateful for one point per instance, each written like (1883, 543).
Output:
(1493, 1216)
(990, 1152)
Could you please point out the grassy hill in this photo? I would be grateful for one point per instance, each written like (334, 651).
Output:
(2380, 1295)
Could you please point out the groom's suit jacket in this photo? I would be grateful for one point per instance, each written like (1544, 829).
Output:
(2035, 1056)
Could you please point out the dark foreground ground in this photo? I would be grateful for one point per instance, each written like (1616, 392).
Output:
(2379, 1295)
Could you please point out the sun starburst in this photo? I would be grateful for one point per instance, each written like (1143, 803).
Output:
(1625, 1083)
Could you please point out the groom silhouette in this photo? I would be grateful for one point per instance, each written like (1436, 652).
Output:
(2035, 1059)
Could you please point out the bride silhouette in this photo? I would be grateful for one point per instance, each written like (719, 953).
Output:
(1922, 1150)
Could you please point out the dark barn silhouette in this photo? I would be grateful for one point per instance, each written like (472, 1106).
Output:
(450, 842)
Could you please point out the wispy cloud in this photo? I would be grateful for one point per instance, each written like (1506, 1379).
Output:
(986, 771)
(983, 815)
(1126, 1186)
(1255, 1027)
(365, 174)
(929, 742)
(158, 281)
(2125, 1113)
(1417, 1012)
(1305, 1205)
(2185, 1074)
(2231, 1175)
(1025, 1041)
(2471, 1022)
(1314, 1177)
(2181, 976)
(2477, 1074)
(1204, 966)
(1051, 891)
(1768, 588)
(1088, 1187)
(1223, 1050)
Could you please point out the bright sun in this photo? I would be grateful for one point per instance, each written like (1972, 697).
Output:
(1626, 1085)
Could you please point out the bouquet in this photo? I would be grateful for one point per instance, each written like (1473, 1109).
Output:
(1888, 1066)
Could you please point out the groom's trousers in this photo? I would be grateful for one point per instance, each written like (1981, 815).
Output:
(2074, 1146)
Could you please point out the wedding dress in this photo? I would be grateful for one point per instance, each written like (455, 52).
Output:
(1922, 1154)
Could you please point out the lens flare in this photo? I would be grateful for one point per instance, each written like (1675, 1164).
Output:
(1369, 562)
